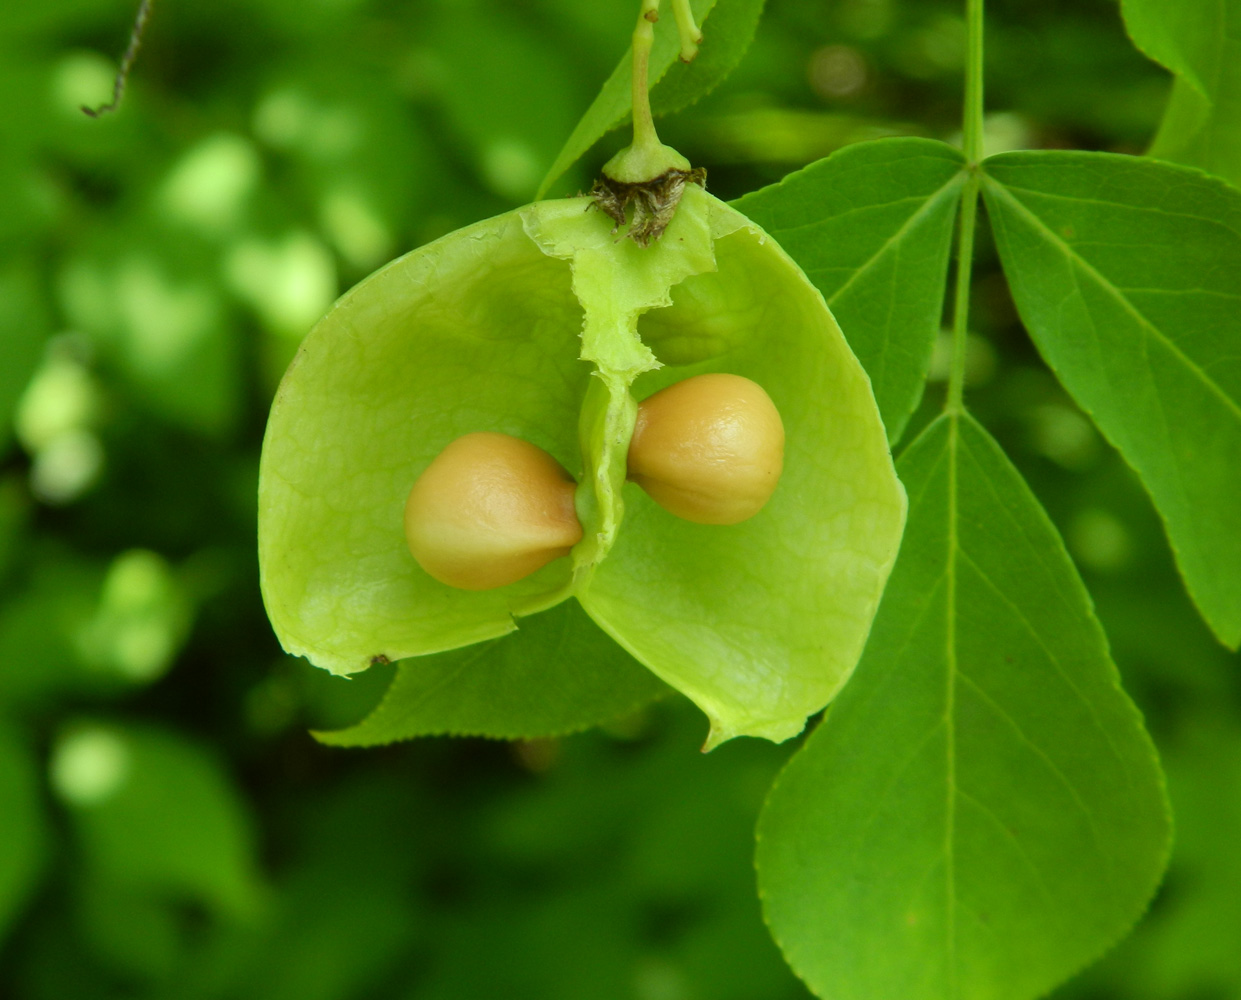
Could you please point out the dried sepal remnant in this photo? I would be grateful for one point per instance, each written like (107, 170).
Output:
(647, 173)
(709, 449)
(490, 510)
(654, 202)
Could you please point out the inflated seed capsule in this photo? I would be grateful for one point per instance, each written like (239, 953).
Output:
(709, 449)
(490, 510)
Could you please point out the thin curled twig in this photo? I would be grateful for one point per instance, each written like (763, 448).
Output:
(127, 62)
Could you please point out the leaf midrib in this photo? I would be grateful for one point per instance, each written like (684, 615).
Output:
(950, 659)
(1103, 203)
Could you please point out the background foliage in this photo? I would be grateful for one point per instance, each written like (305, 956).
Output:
(167, 828)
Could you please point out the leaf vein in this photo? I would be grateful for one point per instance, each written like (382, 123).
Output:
(1078, 262)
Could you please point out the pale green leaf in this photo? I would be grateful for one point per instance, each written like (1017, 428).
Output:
(871, 226)
(981, 812)
(1200, 42)
(557, 673)
(728, 28)
(1127, 273)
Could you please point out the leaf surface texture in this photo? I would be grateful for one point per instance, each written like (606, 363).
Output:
(1127, 273)
(981, 812)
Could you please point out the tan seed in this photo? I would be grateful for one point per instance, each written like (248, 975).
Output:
(709, 449)
(490, 510)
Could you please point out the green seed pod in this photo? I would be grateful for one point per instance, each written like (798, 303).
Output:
(543, 325)
(489, 511)
(709, 449)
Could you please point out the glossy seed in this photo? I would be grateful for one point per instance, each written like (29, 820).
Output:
(709, 449)
(490, 510)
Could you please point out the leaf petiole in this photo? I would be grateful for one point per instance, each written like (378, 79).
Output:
(972, 141)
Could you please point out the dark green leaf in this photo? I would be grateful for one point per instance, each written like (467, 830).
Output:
(38, 629)
(155, 815)
(981, 812)
(732, 27)
(22, 829)
(728, 28)
(23, 329)
(871, 226)
(150, 305)
(511, 131)
(1192, 941)
(1127, 272)
(557, 673)
(1192, 38)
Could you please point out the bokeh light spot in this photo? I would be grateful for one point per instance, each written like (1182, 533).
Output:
(837, 71)
(81, 79)
(290, 282)
(355, 227)
(164, 322)
(62, 397)
(66, 467)
(208, 187)
(1100, 541)
(89, 765)
(510, 168)
(140, 621)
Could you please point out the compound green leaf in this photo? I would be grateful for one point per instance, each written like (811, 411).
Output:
(1200, 42)
(728, 27)
(871, 225)
(557, 673)
(1127, 273)
(981, 812)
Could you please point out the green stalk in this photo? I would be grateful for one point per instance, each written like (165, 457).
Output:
(691, 36)
(972, 133)
(647, 158)
(644, 136)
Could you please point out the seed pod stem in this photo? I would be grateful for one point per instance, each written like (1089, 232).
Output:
(691, 34)
(646, 158)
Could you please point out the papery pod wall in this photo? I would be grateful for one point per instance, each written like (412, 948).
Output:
(506, 326)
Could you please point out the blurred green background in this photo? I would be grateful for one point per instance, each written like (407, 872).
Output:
(167, 827)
